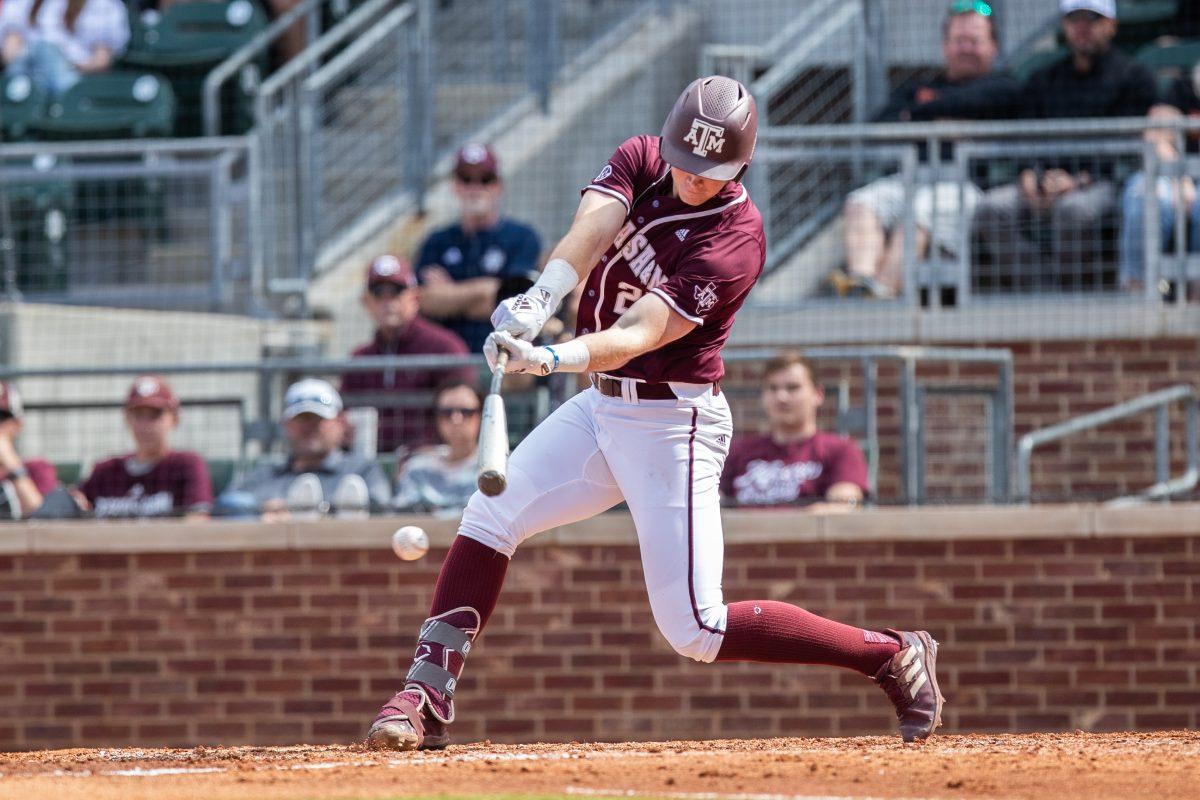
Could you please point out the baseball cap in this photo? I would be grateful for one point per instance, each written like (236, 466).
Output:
(151, 391)
(1105, 8)
(311, 396)
(389, 269)
(10, 400)
(476, 159)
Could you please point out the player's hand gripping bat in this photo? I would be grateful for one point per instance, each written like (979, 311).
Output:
(493, 436)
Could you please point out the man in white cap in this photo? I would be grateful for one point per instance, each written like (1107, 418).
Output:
(1070, 195)
(316, 468)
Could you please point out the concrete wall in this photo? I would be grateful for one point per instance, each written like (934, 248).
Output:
(1056, 618)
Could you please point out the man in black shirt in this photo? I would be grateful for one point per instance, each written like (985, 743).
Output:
(1074, 194)
(966, 88)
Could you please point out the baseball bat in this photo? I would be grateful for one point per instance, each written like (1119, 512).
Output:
(493, 436)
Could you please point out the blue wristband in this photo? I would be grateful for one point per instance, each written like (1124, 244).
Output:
(551, 349)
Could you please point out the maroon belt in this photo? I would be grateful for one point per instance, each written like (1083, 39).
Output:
(611, 387)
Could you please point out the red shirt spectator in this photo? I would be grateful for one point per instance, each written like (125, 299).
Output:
(392, 299)
(23, 482)
(152, 481)
(795, 462)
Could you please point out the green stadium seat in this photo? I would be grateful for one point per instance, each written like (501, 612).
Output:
(39, 214)
(1025, 66)
(186, 42)
(221, 472)
(111, 105)
(1181, 56)
(21, 101)
(69, 472)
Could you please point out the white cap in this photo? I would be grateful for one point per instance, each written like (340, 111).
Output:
(311, 396)
(1105, 8)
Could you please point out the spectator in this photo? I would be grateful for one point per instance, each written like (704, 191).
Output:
(966, 88)
(442, 477)
(462, 266)
(54, 42)
(23, 482)
(1092, 80)
(316, 467)
(795, 463)
(392, 299)
(1169, 191)
(153, 480)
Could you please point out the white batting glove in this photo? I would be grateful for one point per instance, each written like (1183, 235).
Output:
(524, 315)
(522, 356)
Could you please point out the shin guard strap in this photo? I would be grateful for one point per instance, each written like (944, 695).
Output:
(433, 676)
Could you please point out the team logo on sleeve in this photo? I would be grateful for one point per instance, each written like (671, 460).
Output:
(706, 298)
(705, 138)
(604, 173)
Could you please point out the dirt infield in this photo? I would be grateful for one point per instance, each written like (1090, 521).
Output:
(1159, 765)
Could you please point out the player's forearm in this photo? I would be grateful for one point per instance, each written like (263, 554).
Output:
(615, 347)
(473, 298)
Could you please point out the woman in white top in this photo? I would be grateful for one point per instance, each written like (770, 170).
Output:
(53, 42)
(442, 477)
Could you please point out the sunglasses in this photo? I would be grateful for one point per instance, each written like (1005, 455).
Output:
(381, 290)
(476, 180)
(971, 7)
(6, 416)
(450, 411)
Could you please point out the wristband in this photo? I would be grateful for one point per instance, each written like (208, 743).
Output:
(572, 356)
(556, 282)
(18, 473)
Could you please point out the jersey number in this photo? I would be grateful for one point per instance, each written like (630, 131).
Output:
(627, 295)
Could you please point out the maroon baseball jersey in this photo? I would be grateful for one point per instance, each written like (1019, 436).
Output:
(761, 472)
(42, 473)
(702, 260)
(406, 426)
(178, 484)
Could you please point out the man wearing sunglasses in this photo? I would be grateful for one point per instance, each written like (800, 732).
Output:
(967, 88)
(392, 300)
(462, 266)
(442, 477)
(1066, 197)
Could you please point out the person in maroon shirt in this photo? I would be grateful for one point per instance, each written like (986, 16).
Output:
(392, 298)
(795, 462)
(153, 480)
(23, 482)
(667, 245)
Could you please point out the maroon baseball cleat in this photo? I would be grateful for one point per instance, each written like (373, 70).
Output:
(402, 724)
(910, 680)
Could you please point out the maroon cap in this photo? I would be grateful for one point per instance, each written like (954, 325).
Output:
(10, 400)
(151, 391)
(712, 129)
(476, 159)
(389, 269)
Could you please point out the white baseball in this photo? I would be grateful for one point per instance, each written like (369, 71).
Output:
(410, 543)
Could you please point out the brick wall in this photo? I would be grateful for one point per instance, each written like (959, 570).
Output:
(1051, 619)
(1054, 381)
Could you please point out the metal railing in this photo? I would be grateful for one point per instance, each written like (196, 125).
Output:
(1159, 402)
(184, 209)
(999, 399)
(807, 171)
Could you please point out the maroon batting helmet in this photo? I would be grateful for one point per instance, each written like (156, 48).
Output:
(712, 129)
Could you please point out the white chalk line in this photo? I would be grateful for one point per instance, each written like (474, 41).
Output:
(590, 792)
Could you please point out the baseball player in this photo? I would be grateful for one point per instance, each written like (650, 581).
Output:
(667, 245)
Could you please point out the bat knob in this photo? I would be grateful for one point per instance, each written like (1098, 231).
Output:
(492, 483)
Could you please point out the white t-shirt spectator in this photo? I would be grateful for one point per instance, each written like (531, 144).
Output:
(101, 23)
(429, 482)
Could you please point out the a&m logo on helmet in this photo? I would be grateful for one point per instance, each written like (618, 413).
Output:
(145, 387)
(705, 137)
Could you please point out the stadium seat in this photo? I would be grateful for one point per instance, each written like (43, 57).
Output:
(111, 105)
(186, 42)
(69, 472)
(221, 472)
(20, 102)
(39, 213)
(1181, 56)
(1023, 67)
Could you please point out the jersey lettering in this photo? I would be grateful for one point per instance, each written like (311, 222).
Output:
(627, 295)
